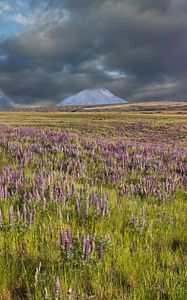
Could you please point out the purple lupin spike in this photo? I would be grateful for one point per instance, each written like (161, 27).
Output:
(1, 217)
(57, 286)
(73, 189)
(18, 216)
(11, 215)
(86, 248)
(100, 251)
(80, 192)
(68, 233)
(43, 202)
(134, 220)
(17, 187)
(97, 205)
(5, 192)
(24, 214)
(63, 237)
(87, 205)
(67, 247)
(78, 205)
(61, 198)
(37, 196)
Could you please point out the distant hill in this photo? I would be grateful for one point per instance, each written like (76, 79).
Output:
(92, 97)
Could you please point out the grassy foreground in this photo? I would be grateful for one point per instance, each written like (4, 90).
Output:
(93, 206)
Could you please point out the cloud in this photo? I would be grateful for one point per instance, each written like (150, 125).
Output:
(4, 8)
(21, 19)
(5, 102)
(135, 48)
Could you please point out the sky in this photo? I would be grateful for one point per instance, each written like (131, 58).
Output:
(49, 50)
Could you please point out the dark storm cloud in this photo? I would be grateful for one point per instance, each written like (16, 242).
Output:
(135, 48)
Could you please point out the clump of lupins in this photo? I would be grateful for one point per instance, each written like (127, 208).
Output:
(89, 245)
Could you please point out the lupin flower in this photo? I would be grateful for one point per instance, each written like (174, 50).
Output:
(63, 237)
(18, 216)
(43, 202)
(17, 188)
(87, 205)
(73, 189)
(67, 247)
(134, 220)
(100, 251)
(37, 196)
(78, 204)
(5, 192)
(1, 217)
(11, 215)
(86, 248)
(57, 286)
(80, 192)
(69, 235)
(61, 198)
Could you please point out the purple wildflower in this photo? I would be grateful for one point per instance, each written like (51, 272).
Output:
(63, 237)
(86, 248)
(57, 286)
(100, 251)
(11, 215)
(24, 214)
(67, 247)
(1, 217)
(87, 205)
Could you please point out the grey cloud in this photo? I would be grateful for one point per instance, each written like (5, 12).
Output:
(5, 102)
(143, 39)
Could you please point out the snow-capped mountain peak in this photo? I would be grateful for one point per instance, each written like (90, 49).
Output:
(92, 97)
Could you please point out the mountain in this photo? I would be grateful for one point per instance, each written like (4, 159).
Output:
(92, 97)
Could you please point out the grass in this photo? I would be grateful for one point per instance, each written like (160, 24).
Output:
(143, 234)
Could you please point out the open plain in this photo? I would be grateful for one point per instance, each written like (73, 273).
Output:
(93, 205)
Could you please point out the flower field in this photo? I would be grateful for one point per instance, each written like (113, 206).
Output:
(93, 210)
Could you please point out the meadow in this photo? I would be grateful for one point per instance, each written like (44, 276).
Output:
(93, 205)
